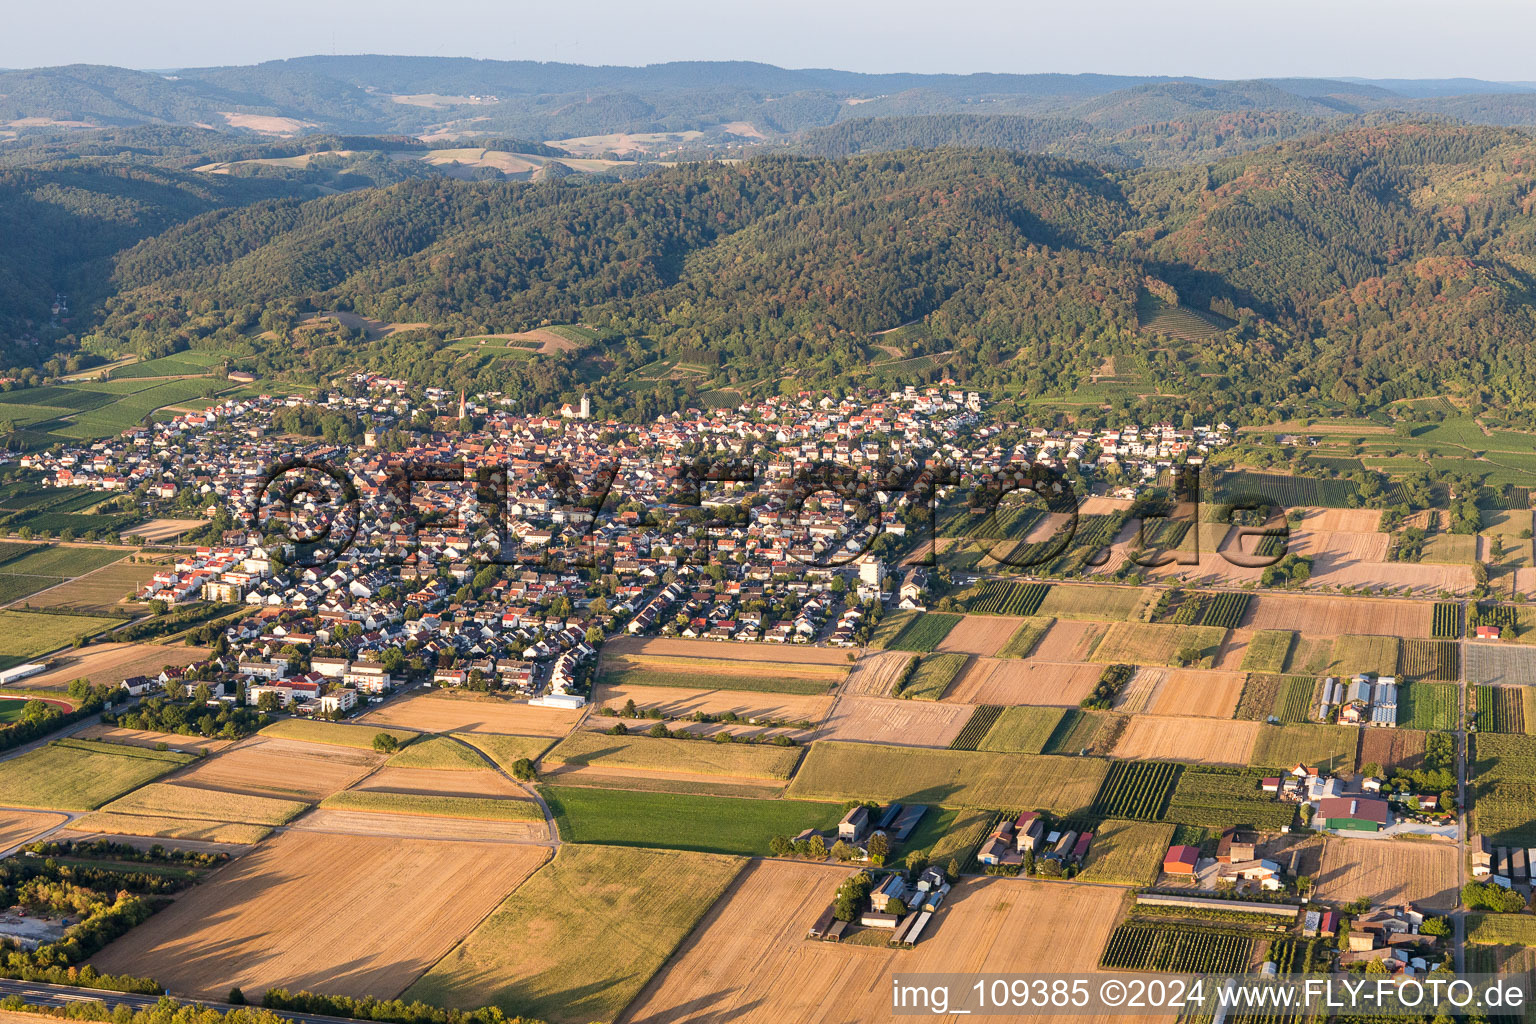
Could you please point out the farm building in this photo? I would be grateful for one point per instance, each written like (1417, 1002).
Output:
(875, 920)
(1080, 849)
(1359, 814)
(1030, 834)
(1482, 857)
(1235, 845)
(822, 924)
(854, 824)
(1181, 860)
(1206, 903)
(1265, 872)
(1062, 851)
(916, 931)
(893, 888)
(1368, 702)
(936, 898)
(905, 822)
(1488, 632)
(931, 877)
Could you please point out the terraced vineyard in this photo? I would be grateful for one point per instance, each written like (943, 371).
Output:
(1501, 709)
(1003, 598)
(1447, 621)
(982, 720)
(1138, 790)
(1149, 947)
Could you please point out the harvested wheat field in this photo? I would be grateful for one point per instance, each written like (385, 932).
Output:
(1009, 681)
(875, 675)
(152, 826)
(1068, 640)
(1203, 741)
(1389, 872)
(647, 781)
(910, 723)
(1338, 520)
(266, 766)
(1199, 693)
(1335, 616)
(144, 738)
(157, 530)
(431, 782)
(470, 714)
(1392, 748)
(17, 827)
(110, 664)
(680, 702)
(980, 634)
(1424, 579)
(256, 924)
(1230, 655)
(1136, 694)
(788, 654)
(1340, 547)
(416, 826)
(749, 960)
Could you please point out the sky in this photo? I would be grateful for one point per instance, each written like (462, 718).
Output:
(1487, 39)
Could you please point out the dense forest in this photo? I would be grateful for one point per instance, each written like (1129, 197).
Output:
(1356, 268)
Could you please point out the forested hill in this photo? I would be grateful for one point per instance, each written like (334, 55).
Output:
(1360, 267)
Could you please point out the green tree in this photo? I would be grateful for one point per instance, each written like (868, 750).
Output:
(384, 743)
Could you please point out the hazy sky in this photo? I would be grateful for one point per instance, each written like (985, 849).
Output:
(1215, 38)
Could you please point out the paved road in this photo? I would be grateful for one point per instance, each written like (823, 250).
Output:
(42, 994)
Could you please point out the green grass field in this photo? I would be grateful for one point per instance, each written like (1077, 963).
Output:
(1369, 654)
(1100, 604)
(697, 756)
(1148, 643)
(58, 560)
(1429, 706)
(835, 771)
(890, 627)
(605, 918)
(1267, 650)
(947, 833)
(708, 824)
(1127, 852)
(80, 777)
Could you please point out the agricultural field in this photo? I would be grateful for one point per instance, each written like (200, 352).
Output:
(252, 923)
(1287, 698)
(837, 771)
(1198, 693)
(1127, 852)
(1504, 798)
(1147, 643)
(1430, 660)
(1392, 748)
(432, 805)
(876, 675)
(1134, 697)
(332, 734)
(1327, 748)
(980, 634)
(439, 753)
(890, 627)
(471, 714)
(700, 757)
(1450, 549)
(1001, 597)
(168, 800)
(1220, 797)
(1008, 681)
(678, 821)
(900, 722)
(147, 738)
(147, 826)
(19, 826)
(1429, 706)
(1494, 663)
(268, 765)
(1423, 874)
(1156, 947)
(1024, 639)
(1138, 790)
(725, 671)
(1372, 655)
(1090, 732)
(1100, 604)
(609, 918)
(25, 635)
(681, 702)
(1447, 621)
(1502, 708)
(1021, 730)
(79, 775)
(63, 561)
(110, 664)
(1267, 650)
(748, 961)
(976, 728)
(1337, 616)
(101, 591)
(932, 676)
(925, 632)
(1198, 740)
